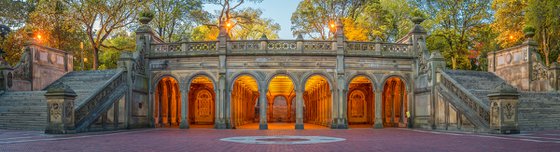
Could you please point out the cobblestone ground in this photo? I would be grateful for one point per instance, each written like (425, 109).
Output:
(199, 139)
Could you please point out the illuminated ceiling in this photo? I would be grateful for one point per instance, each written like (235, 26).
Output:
(314, 81)
(281, 85)
(203, 80)
(247, 81)
(360, 79)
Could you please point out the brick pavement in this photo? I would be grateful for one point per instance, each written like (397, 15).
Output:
(198, 139)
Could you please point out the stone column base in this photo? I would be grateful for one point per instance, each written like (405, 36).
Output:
(263, 126)
(299, 126)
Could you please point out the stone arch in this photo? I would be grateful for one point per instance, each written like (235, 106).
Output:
(188, 79)
(251, 74)
(292, 77)
(236, 110)
(395, 101)
(326, 76)
(371, 78)
(166, 101)
(401, 76)
(158, 76)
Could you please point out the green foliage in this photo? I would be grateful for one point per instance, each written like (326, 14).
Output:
(113, 47)
(543, 15)
(528, 29)
(173, 18)
(147, 13)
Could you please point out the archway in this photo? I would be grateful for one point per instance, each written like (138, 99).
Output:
(167, 111)
(395, 105)
(318, 102)
(244, 101)
(280, 91)
(201, 103)
(360, 103)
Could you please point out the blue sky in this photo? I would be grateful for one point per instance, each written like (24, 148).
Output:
(278, 10)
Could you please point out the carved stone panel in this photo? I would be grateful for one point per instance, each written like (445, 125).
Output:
(357, 107)
(204, 113)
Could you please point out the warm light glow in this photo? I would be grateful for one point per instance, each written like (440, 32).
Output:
(39, 36)
(332, 25)
(85, 59)
(511, 37)
(228, 24)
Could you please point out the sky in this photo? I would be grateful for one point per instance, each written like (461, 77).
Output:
(278, 10)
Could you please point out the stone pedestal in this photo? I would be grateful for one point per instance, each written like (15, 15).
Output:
(503, 110)
(60, 113)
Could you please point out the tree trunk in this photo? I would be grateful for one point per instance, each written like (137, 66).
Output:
(95, 58)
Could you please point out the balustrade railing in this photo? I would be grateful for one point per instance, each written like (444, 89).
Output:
(482, 110)
(284, 46)
(99, 98)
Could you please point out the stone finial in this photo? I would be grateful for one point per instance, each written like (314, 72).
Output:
(60, 89)
(263, 37)
(378, 39)
(436, 55)
(299, 37)
(504, 89)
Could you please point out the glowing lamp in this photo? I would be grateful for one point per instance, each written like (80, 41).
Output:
(511, 37)
(39, 36)
(85, 59)
(332, 25)
(228, 24)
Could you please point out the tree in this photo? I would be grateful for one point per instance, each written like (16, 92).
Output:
(120, 42)
(244, 23)
(509, 21)
(14, 13)
(314, 17)
(174, 17)
(100, 18)
(455, 25)
(543, 16)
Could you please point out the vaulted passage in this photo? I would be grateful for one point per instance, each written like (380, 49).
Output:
(244, 99)
(280, 97)
(361, 105)
(201, 103)
(395, 105)
(167, 103)
(317, 101)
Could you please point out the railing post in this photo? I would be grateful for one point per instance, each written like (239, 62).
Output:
(503, 110)
(184, 45)
(60, 110)
(264, 42)
(378, 45)
(435, 63)
(299, 42)
(554, 72)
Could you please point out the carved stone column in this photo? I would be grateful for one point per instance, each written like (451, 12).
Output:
(185, 104)
(299, 109)
(263, 124)
(503, 110)
(342, 122)
(378, 123)
(60, 113)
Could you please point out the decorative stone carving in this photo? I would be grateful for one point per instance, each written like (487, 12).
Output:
(60, 104)
(504, 101)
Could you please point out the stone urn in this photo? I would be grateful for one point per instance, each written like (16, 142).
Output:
(417, 20)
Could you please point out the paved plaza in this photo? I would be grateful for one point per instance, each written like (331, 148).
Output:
(202, 139)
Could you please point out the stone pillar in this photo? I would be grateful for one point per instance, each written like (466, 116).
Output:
(263, 124)
(503, 110)
(378, 123)
(342, 122)
(554, 72)
(299, 109)
(60, 113)
(435, 63)
(185, 104)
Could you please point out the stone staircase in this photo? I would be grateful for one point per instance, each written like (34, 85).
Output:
(536, 110)
(468, 92)
(25, 110)
(84, 83)
(539, 111)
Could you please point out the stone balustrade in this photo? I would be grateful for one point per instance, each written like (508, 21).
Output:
(281, 47)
